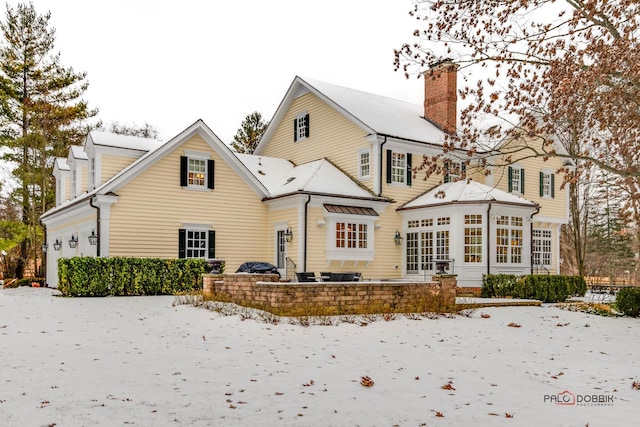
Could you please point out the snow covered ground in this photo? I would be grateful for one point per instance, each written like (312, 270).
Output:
(142, 361)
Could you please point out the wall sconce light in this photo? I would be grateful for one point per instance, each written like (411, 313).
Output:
(93, 238)
(73, 241)
(397, 238)
(288, 235)
(57, 245)
(44, 248)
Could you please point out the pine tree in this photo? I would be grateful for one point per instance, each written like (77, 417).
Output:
(41, 113)
(249, 134)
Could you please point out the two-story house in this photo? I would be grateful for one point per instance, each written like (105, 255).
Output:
(330, 187)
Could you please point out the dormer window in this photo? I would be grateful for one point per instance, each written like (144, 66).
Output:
(301, 127)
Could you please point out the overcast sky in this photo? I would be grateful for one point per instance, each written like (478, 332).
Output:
(169, 63)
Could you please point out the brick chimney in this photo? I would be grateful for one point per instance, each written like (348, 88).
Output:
(440, 95)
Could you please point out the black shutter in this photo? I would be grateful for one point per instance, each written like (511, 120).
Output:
(510, 178)
(409, 171)
(184, 164)
(211, 166)
(522, 181)
(553, 185)
(212, 244)
(463, 169)
(388, 166)
(295, 130)
(541, 184)
(308, 126)
(182, 243)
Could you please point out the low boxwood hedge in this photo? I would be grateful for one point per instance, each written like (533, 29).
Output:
(89, 276)
(546, 288)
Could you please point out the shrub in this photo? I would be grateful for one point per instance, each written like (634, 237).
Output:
(628, 301)
(546, 288)
(89, 276)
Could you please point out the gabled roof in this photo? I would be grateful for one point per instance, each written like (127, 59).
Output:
(106, 139)
(281, 177)
(148, 159)
(77, 152)
(60, 163)
(375, 114)
(464, 192)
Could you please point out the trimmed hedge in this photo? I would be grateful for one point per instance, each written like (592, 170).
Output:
(116, 276)
(628, 301)
(546, 288)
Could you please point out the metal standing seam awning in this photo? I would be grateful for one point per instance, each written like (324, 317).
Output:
(353, 210)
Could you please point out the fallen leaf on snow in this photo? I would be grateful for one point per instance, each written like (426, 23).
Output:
(366, 381)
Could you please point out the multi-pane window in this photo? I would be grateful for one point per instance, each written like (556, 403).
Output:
(546, 184)
(196, 244)
(398, 167)
(473, 238)
(509, 239)
(426, 247)
(454, 171)
(92, 171)
(197, 172)
(442, 244)
(516, 180)
(351, 235)
(301, 127)
(281, 249)
(541, 247)
(364, 164)
(412, 252)
(445, 220)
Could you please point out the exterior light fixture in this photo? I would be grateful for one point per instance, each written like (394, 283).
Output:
(73, 241)
(44, 248)
(397, 238)
(57, 245)
(288, 235)
(93, 238)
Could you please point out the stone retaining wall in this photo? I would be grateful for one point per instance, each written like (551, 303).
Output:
(266, 292)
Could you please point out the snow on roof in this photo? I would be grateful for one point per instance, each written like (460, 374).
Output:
(384, 115)
(463, 191)
(77, 151)
(280, 177)
(61, 164)
(128, 142)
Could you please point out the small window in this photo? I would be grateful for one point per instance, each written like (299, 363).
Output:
(547, 184)
(196, 172)
(516, 180)
(301, 127)
(364, 164)
(398, 167)
(196, 243)
(454, 171)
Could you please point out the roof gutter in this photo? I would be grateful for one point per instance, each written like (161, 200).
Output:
(97, 208)
(380, 151)
(531, 236)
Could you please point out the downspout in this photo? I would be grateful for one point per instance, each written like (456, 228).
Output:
(489, 239)
(44, 252)
(380, 157)
(531, 236)
(306, 214)
(97, 208)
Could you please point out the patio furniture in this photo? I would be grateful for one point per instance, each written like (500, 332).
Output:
(348, 277)
(335, 277)
(306, 276)
(325, 276)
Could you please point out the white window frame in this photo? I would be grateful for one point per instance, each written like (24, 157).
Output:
(513, 228)
(364, 168)
(301, 127)
(398, 171)
(473, 233)
(542, 246)
(360, 250)
(546, 184)
(200, 157)
(516, 171)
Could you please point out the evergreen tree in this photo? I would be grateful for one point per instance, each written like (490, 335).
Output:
(145, 131)
(249, 134)
(41, 114)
